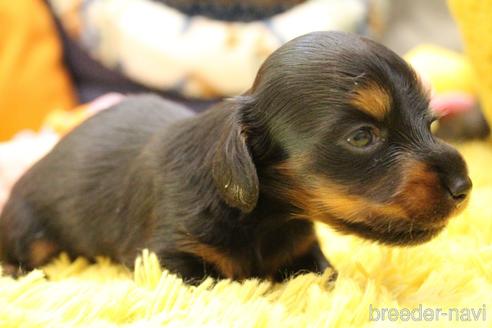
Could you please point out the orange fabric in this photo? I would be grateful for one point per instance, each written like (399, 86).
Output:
(33, 80)
(62, 121)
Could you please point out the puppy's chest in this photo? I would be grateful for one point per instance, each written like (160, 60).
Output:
(261, 257)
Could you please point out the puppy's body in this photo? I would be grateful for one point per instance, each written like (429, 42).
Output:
(336, 129)
(139, 176)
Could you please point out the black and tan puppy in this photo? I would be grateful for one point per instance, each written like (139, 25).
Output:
(335, 129)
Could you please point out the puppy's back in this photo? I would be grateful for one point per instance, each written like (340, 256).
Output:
(79, 188)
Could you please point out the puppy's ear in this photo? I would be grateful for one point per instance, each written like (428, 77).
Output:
(233, 169)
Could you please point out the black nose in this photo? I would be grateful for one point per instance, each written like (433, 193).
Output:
(459, 187)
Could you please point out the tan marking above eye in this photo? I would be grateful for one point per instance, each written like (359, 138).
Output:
(373, 100)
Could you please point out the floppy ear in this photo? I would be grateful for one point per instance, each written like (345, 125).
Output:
(233, 169)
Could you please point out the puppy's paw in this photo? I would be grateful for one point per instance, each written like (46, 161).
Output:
(311, 262)
(12, 270)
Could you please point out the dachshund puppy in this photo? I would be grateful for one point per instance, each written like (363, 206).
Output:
(336, 129)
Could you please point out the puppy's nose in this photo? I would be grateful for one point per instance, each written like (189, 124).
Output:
(459, 187)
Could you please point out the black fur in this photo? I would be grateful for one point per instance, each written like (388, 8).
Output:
(205, 192)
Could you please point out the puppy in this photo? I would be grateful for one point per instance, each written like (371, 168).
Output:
(336, 129)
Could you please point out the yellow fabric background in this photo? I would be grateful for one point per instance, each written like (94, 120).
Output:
(474, 18)
(33, 80)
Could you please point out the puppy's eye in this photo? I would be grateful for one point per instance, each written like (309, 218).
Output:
(362, 138)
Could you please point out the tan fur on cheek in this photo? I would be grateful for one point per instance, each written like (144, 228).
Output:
(420, 191)
(372, 100)
(334, 200)
(325, 200)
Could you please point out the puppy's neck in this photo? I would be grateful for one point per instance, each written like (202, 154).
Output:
(267, 155)
(203, 134)
(248, 242)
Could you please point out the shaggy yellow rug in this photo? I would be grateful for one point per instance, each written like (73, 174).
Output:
(446, 282)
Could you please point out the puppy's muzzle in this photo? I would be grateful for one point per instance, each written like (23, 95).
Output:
(452, 172)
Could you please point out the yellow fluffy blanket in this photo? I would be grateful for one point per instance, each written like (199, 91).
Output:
(452, 273)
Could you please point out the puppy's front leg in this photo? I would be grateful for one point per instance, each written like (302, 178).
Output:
(312, 261)
(190, 268)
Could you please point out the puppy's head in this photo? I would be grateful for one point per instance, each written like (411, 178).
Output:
(339, 126)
